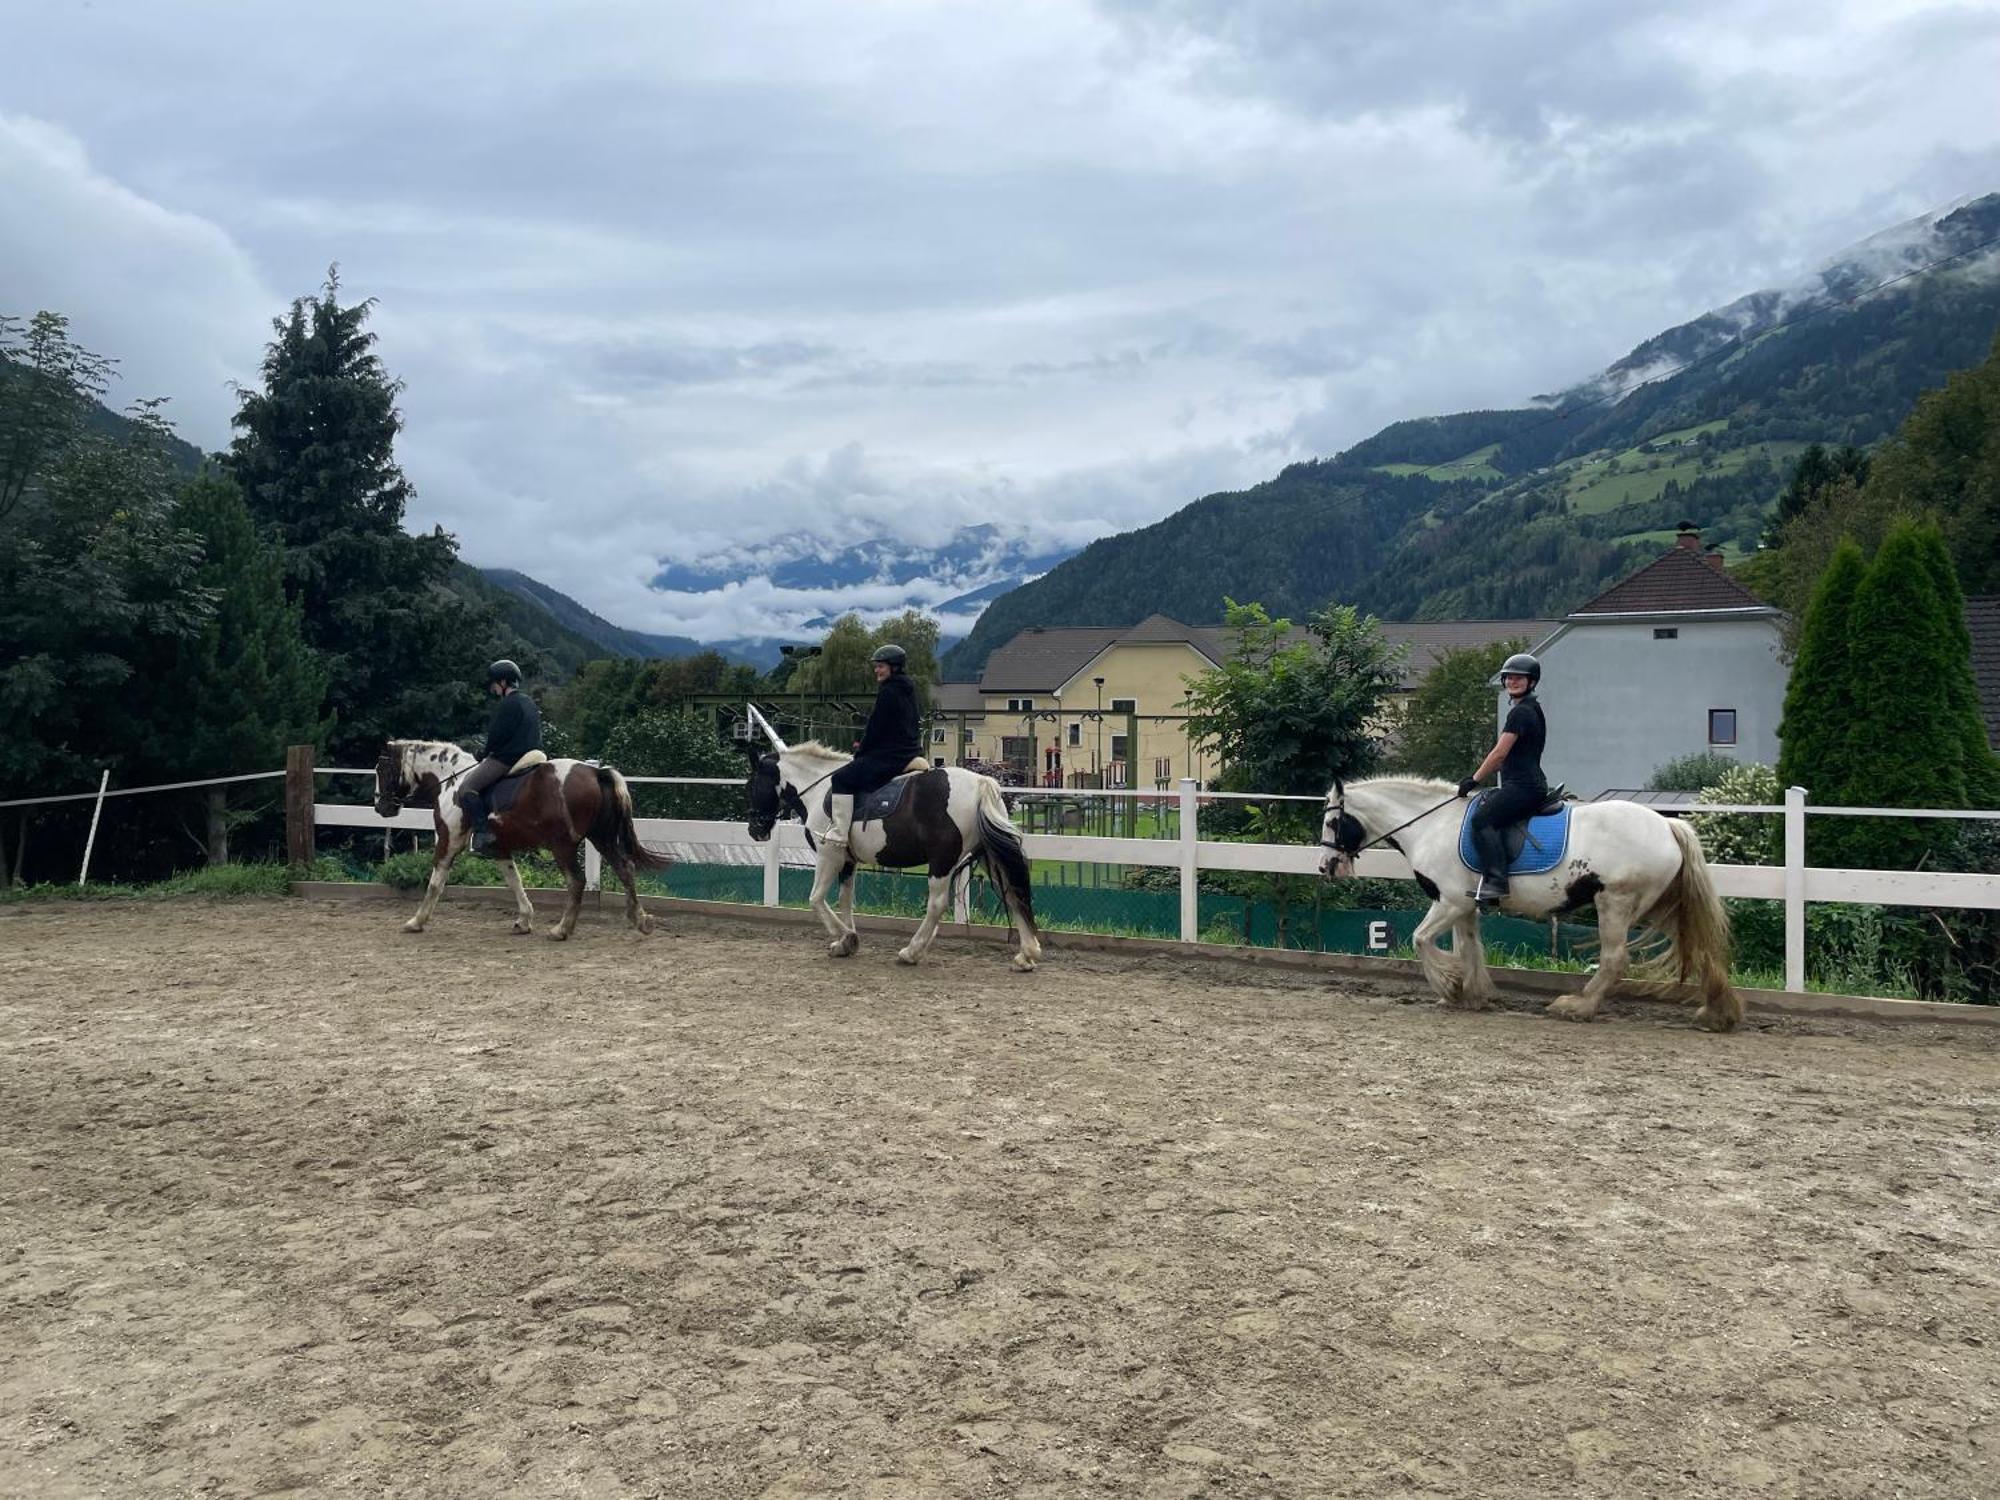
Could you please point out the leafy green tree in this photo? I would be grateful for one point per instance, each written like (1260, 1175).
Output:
(1742, 838)
(47, 387)
(1815, 737)
(1982, 773)
(664, 742)
(1902, 748)
(1813, 475)
(1691, 773)
(842, 665)
(246, 685)
(607, 692)
(1288, 716)
(1452, 719)
(1945, 462)
(314, 454)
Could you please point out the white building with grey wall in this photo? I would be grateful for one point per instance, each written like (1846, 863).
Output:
(1677, 659)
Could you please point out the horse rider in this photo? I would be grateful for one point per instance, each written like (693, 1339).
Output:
(514, 730)
(893, 737)
(1522, 790)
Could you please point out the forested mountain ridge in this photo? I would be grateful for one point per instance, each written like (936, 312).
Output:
(1524, 513)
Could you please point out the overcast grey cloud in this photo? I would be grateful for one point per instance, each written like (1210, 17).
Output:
(713, 277)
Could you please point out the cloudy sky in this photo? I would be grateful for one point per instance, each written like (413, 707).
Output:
(668, 281)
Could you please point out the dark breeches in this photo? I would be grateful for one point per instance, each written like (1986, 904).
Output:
(1508, 804)
(478, 779)
(865, 773)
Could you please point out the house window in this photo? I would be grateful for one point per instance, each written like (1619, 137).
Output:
(1124, 705)
(1017, 749)
(1117, 747)
(1666, 632)
(1076, 734)
(1020, 705)
(937, 736)
(1722, 726)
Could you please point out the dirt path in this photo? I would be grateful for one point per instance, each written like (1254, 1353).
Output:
(291, 1203)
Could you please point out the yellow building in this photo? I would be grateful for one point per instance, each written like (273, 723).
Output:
(1104, 705)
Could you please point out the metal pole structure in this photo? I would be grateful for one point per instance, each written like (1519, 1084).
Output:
(1190, 872)
(1795, 889)
(96, 811)
(771, 870)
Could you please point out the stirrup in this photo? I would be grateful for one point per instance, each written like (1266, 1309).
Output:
(1490, 893)
(484, 841)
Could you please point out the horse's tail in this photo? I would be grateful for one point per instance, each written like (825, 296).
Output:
(614, 831)
(1692, 919)
(1006, 863)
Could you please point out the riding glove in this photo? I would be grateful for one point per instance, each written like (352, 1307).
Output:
(1468, 786)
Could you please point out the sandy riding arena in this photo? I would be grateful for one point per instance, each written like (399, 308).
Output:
(294, 1204)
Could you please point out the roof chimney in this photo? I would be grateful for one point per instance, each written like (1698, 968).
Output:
(1713, 556)
(1689, 537)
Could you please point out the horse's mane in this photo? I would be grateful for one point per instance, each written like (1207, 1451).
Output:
(814, 750)
(1403, 784)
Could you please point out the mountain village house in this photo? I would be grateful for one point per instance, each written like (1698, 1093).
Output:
(1094, 705)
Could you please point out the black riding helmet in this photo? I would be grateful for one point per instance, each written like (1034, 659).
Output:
(896, 657)
(504, 671)
(1523, 665)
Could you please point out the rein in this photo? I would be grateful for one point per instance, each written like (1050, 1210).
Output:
(1382, 837)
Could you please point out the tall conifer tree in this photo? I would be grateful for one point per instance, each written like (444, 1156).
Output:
(1820, 700)
(315, 456)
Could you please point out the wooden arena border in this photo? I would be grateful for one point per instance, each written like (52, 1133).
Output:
(1521, 981)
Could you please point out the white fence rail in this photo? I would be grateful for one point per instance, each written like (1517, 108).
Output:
(1794, 883)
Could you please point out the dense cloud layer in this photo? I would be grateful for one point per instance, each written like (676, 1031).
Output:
(668, 282)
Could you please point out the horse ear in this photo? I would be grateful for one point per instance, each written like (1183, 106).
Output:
(1340, 788)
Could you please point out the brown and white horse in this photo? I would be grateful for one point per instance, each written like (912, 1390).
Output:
(561, 804)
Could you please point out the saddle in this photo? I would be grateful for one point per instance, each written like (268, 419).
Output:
(885, 799)
(1534, 847)
(507, 790)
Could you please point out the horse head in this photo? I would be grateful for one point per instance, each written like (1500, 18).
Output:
(391, 780)
(771, 796)
(1341, 835)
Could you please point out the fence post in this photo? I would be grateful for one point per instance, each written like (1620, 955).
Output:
(95, 812)
(299, 805)
(961, 898)
(771, 870)
(1190, 875)
(593, 868)
(1795, 888)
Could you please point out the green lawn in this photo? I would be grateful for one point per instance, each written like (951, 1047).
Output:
(1593, 489)
(1471, 465)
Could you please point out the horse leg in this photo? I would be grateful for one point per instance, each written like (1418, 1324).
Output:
(637, 915)
(1442, 969)
(1475, 979)
(926, 933)
(847, 887)
(441, 862)
(571, 865)
(524, 909)
(825, 872)
(1615, 911)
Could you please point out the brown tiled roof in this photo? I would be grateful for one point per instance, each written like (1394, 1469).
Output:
(1982, 618)
(1678, 581)
(956, 697)
(1041, 660)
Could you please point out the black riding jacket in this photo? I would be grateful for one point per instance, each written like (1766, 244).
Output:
(1523, 765)
(895, 726)
(515, 728)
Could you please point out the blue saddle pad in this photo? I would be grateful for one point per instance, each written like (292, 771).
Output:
(1542, 850)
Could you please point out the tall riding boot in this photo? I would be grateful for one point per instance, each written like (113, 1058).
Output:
(841, 806)
(1492, 846)
(476, 815)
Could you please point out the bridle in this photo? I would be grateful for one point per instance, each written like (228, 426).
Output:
(1338, 804)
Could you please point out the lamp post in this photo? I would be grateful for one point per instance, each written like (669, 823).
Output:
(798, 656)
(1097, 755)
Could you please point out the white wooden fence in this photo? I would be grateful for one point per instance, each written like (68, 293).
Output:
(1795, 883)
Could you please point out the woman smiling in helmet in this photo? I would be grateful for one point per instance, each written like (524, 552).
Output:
(1522, 789)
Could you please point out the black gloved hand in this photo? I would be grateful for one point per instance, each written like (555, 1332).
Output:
(1468, 786)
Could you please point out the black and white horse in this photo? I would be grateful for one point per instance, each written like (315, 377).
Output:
(947, 818)
(1638, 868)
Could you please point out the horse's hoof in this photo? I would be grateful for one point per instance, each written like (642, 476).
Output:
(845, 947)
(1709, 1020)
(905, 956)
(1022, 964)
(413, 925)
(523, 929)
(557, 935)
(645, 926)
(1572, 1008)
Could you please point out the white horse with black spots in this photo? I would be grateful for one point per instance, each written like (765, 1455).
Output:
(948, 818)
(1640, 870)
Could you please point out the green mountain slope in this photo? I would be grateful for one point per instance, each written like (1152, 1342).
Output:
(1527, 513)
(606, 638)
